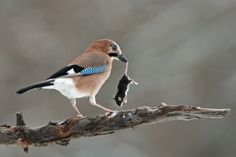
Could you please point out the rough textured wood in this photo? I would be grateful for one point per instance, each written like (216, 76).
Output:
(61, 132)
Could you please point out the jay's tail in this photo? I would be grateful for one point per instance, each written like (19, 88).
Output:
(36, 85)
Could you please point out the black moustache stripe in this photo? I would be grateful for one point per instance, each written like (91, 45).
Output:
(112, 54)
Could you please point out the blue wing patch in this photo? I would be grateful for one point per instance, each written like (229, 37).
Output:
(92, 70)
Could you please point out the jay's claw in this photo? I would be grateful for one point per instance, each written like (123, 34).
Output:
(111, 113)
(80, 116)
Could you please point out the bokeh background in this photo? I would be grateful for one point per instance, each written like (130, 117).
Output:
(180, 52)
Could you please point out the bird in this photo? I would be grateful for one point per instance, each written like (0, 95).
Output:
(85, 75)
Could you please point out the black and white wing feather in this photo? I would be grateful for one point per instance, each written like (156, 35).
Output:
(77, 70)
(71, 69)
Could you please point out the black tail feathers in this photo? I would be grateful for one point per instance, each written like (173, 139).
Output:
(36, 85)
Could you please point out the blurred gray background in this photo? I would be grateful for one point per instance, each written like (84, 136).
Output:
(180, 52)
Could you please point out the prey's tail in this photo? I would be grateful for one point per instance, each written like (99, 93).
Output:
(36, 85)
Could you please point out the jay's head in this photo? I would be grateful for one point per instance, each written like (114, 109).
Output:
(109, 48)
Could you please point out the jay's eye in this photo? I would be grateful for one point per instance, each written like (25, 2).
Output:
(114, 47)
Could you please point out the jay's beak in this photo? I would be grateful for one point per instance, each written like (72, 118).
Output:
(122, 58)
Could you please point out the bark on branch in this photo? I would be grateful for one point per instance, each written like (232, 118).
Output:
(61, 132)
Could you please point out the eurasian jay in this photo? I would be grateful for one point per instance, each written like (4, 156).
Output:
(85, 75)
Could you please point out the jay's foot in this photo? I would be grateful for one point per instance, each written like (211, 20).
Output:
(111, 113)
(80, 115)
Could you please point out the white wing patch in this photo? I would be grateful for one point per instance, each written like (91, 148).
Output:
(71, 71)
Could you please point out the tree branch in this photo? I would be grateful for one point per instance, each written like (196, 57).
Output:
(61, 132)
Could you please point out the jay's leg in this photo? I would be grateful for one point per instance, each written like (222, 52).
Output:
(73, 102)
(93, 102)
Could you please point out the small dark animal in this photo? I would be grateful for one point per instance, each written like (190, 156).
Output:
(123, 88)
